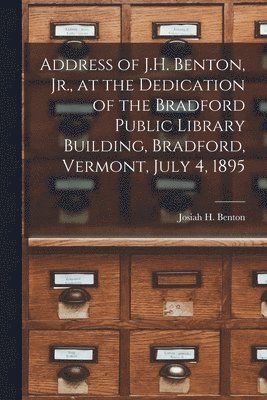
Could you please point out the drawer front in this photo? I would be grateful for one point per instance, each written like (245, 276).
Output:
(248, 352)
(172, 122)
(192, 23)
(89, 23)
(145, 366)
(95, 351)
(249, 286)
(175, 200)
(251, 188)
(254, 132)
(68, 203)
(63, 123)
(250, 23)
(74, 287)
(176, 286)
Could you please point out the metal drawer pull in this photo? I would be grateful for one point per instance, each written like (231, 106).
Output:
(73, 126)
(263, 373)
(74, 49)
(73, 201)
(264, 297)
(175, 371)
(177, 48)
(74, 296)
(75, 373)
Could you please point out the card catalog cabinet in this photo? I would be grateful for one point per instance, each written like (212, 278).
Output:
(120, 301)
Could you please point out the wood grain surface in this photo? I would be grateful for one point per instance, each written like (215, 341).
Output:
(210, 17)
(107, 17)
(148, 302)
(244, 372)
(104, 303)
(204, 374)
(104, 375)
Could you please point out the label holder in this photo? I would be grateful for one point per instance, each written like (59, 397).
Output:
(157, 274)
(258, 33)
(52, 350)
(53, 26)
(54, 113)
(156, 26)
(154, 352)
(52, 184)
(195, 178)
(62, 285)
(254, 353)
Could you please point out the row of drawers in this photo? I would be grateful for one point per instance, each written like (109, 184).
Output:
(161, 362)
(193, 22)
(68, 203)
(162, 287)
(71, 119)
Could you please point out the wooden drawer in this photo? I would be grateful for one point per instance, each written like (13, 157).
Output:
(97, 351)
(170, 121)
(66, 203)
(74, 287)
(175, 200)
(189, 22)
(246, 370)
(254, 131)
(145, 364)
(248, 299)
(66, 121)
(176, 286)
(104, 23)
(246, 27)
(250, 187)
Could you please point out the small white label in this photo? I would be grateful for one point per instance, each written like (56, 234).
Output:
(263, 29)
(175, 184)
(74, 184)
(74, 108)
(74, 354)
(262, 279)
(74, 279)
(180, 30)
(262, 354)
(178, 309)
(176, 354)
(77, 30)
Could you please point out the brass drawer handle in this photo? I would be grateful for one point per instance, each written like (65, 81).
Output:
(74, 296)
(175, 371)
(176, 202)
(73, 126)
(73, 201)
(177, 48)
(74, 373)
(74, 49)
(264, 297)
(263, 373)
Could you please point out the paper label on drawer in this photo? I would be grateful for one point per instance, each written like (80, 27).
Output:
(65, 387)
(75, 218)
(187, 30)
(172, 386)
(74, 354)
(178, 309)
(176, 354)
(74, 279)
(73, 312)
(78, 30)
(262, 386)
